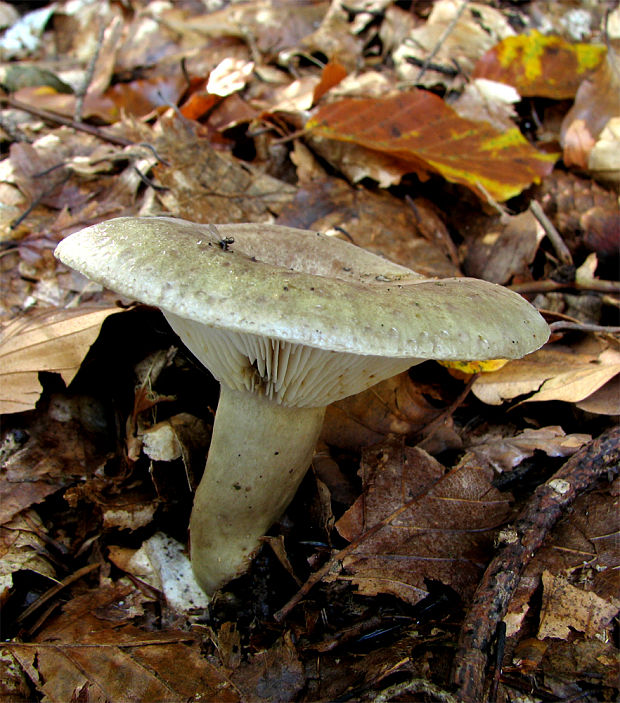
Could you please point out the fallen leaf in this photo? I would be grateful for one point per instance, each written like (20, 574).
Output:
(540, 65)
(89, 646)
(566, 608)
(453, 38)
(272, 676)
(549, 374)
(66, 443)
(394, 406)
(55, 340)
(442, 531)
(21, 548)
(331, 75)
(604, 157)
(604, 401)
(205, 185)
(505, 453)
(426, 135)
(501, 248)
(596, 103)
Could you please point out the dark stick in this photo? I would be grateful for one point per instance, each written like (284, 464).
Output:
(598, 458)
(55, 118)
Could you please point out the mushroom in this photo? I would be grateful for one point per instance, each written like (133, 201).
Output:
(288, 321)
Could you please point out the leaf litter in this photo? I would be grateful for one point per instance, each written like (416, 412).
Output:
(214, 114)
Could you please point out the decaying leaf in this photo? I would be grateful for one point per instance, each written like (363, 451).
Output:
(55, 341)
(426, 135)
(455, 35)
(505, 453)
(442, 523)
(539, 65)
(205, 185)
(549, 374)
(498, 249)
(596, 103)
(93, 642)
(566, 607)
(22, 548)
(583, 547)
(394, 406)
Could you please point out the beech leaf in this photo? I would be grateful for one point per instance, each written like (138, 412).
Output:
(56, 341)
(424, 134)
(442, 534)
(540, 65)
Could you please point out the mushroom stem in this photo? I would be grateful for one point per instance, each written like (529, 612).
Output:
(259, 453)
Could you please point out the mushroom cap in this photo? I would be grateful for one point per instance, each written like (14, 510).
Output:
(302, 287)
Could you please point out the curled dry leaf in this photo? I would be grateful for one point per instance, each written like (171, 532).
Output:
(596, 103)
(505, 453)
(55, 341)
(549, 374)
(566, 608)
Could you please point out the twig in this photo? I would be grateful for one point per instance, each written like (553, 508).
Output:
(431, 427)
(88, 77)
(56, 589)
(448, 30)
(555, 237)
(582, 327)
(55, 118)
(548, 286)
(599, 458)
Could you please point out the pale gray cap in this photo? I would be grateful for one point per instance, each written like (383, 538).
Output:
(262, 289)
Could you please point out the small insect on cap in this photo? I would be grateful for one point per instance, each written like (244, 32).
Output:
(303, 318)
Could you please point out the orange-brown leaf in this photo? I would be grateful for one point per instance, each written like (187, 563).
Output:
(426, 135)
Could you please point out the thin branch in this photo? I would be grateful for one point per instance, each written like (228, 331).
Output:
(548, 286)
(582, 327)
(55, 118)
(56, 589)
(600, 458)
(90, 72)
(555, 237)
(448, 30)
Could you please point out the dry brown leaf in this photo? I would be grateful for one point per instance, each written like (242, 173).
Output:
(22, 548)
(503, 247)
(92, 643)
(394, 406)
(604, 401)
(272, 676)
(566, 608)
(584, 545)
(604, 158)
(443, 535)
(205, 185)
(504, 453)
(549, 374)
(596, 103)
(55, 341)
(455, 36)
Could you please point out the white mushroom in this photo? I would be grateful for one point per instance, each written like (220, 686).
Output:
(288, 321)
